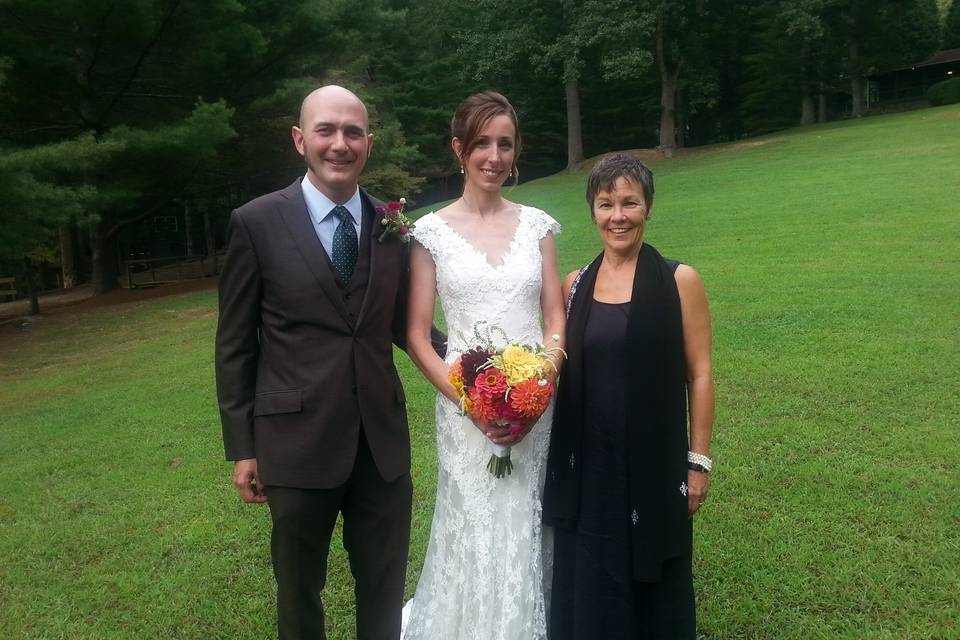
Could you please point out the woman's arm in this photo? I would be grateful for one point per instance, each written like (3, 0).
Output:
(552, 300)
(697, 339)
(554, 323)
(567, 285)
(420, 310)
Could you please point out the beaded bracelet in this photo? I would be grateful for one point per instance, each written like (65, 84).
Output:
(700, 459)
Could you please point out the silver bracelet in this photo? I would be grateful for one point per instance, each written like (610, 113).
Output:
(700, 459)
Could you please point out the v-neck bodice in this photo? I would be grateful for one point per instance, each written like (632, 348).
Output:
(472, 290)
(486, 256)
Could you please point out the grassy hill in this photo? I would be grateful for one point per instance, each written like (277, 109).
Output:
(831, 256)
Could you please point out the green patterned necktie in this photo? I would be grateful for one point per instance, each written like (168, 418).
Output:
(344, 245)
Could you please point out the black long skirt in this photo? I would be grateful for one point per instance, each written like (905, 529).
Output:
(594, 595)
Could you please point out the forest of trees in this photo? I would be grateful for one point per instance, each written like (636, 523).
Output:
(111, 112)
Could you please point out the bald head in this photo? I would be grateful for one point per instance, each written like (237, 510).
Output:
(335, 97)
(334, 140)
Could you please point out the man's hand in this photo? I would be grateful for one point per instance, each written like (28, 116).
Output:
(247, 481)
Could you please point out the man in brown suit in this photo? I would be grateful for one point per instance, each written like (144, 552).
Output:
(313, 412)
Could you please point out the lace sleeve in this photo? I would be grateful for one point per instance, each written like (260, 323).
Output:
(542, 224)
(426, 232)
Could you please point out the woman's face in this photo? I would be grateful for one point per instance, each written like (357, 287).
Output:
(488, 165)
(621, 214)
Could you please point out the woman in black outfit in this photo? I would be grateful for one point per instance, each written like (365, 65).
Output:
(623, 479)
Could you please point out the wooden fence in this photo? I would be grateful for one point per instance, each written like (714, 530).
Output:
(151, 272)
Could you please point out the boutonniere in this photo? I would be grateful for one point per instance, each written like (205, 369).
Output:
(394, 222)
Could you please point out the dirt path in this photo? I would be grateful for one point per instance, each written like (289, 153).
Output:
(81, 298)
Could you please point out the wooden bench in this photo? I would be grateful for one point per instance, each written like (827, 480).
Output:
(7, 288)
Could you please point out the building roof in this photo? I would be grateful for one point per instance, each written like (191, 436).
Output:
(940, 57)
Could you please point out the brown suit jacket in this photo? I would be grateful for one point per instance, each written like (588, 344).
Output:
(295, 377)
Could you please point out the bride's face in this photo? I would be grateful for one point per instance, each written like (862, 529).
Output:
(489, 163)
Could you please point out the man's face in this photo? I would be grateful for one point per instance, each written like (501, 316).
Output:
(334, 142)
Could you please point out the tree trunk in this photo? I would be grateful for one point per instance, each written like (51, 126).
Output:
(188, 236)
(102, 259)
(208, 236)
(30, 280)
(681, 119)
(574, 129)
(668, 92)
(68, 256)
(822, 108)
(807, 110)
(668, 133)
(857, 92)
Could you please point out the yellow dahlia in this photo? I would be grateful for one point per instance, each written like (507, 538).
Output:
(519, 364)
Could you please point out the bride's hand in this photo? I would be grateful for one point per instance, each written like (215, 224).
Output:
(525, 427)
(489, 429)
(495, 433)
(508, 435)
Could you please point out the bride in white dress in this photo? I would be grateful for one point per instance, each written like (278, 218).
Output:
(487, 570)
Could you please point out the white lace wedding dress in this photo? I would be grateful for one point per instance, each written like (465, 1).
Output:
(488, 567)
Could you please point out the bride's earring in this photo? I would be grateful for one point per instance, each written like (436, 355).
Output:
(461, 168)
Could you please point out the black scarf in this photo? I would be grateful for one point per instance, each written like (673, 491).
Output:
(656, 417)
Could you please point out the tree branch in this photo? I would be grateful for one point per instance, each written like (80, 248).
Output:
(140, 59)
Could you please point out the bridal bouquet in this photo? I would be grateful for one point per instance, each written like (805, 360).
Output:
(506, 386)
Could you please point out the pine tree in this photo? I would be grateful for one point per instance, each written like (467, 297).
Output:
(951, 27)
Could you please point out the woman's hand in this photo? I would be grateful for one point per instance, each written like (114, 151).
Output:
(507, 435)
(697, 484)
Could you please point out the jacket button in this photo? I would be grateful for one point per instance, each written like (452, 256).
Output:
(353, 390)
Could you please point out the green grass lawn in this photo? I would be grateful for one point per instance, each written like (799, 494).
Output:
(831, 256)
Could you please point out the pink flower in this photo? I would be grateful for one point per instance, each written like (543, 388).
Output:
(491, 381)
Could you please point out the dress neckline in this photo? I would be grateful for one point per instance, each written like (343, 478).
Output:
(481, 254)
(611, 304)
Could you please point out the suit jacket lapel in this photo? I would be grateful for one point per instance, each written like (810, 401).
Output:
(295, 216)
(370, 217)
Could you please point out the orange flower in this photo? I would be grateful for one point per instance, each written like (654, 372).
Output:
(455, 376)
(483, 407)
(530, 398)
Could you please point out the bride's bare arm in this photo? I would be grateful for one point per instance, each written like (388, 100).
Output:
(554, 320)
(551, 299)
(420, 309)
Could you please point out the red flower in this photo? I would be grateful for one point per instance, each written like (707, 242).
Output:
(505, 410)
(471, 361)
(394, 206)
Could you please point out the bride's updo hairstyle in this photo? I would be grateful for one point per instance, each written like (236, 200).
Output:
(472, 116)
